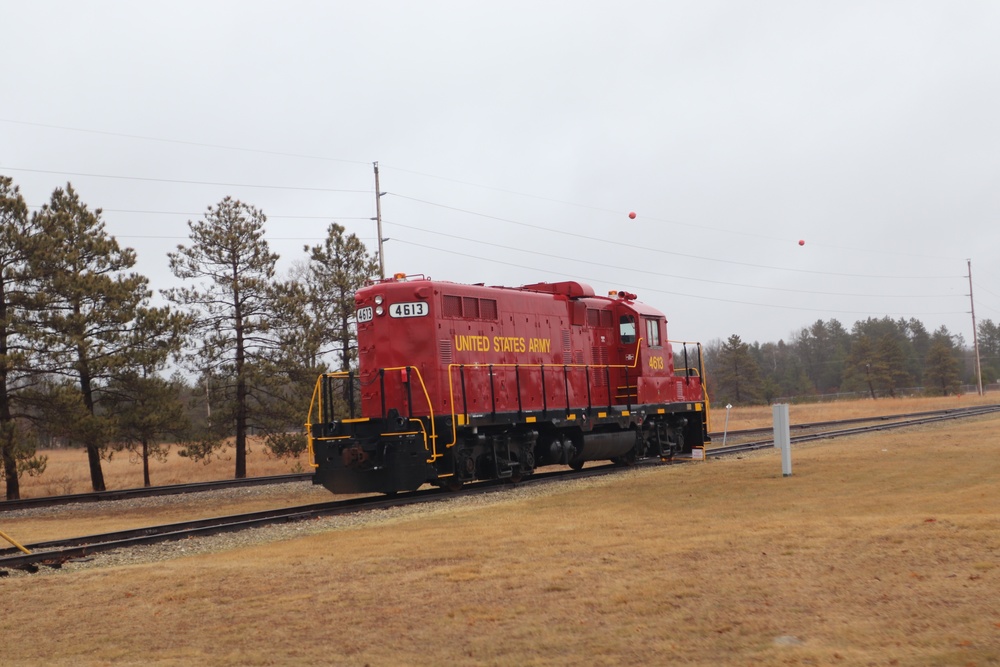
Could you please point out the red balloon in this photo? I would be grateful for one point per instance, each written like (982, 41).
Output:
(801, 242)
(632, 215)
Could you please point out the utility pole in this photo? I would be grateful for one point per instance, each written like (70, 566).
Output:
(378, 224)
(975, 334)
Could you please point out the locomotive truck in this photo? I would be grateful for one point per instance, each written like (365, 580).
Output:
(458, 382)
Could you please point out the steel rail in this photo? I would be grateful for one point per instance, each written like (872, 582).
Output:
(932, 418)
(56, 552)
(146, 492)
(855, 420)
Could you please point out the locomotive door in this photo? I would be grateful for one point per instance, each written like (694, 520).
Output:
(624, 386)
(656, 360)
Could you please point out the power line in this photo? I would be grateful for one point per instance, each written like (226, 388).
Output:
(979, 286)
(680, 294)
(618, 243)
(670, 275)
(188, 238)
(699, 227)
(185, 182)
(270, 216)
(469, 212)
(696, 226)
(182, 142)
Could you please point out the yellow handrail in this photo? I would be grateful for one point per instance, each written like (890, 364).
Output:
(343, 374)
(451, 382)
(430, 412)
(704, 393)
(309, 434)
(701, 376)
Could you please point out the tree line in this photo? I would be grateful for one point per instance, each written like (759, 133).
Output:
(84, 350)
(876, 358)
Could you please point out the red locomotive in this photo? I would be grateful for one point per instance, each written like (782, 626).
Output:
(464, 382)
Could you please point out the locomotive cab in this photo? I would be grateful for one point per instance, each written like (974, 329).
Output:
(645, 364)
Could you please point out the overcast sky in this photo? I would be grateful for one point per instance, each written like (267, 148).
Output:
(513, 139)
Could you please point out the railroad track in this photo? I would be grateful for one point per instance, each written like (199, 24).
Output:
(864, 420)
(885, 423)
(55, 553)
(148, 492)
(195, 487)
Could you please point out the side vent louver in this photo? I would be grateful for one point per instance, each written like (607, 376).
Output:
(444, 347)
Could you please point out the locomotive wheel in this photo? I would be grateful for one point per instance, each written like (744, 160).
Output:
(576, 465)
(515, 477)
(454, 484)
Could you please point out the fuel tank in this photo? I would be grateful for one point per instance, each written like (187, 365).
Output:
(605, 446)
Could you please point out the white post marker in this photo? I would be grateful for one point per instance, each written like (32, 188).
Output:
(725, 429)
(783, 436)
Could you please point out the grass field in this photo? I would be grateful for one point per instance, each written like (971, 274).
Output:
(879, 550)
(67, 472)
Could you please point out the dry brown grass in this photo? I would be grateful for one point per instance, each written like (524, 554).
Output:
(879, 550)
(67, 470)
(92, 519)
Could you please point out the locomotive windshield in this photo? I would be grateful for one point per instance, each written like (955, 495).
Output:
(627, 328)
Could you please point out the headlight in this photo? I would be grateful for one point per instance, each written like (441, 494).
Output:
(379, 310)
(378, 300)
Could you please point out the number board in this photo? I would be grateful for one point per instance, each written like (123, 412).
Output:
(413, 309)
(365, 314)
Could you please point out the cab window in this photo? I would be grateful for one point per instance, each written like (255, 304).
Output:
(653, 332)
(627, 328)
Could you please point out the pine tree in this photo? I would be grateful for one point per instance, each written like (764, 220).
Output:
(88, 325)
(989, 350)
(858, 367)
(889, 367)
(737, 376)
(878, 359)
(336, 270)
(919, 345)
(941, 371)
(823, 347)
(285, 374)
(232, 304)
(148, 408)
(18, 296)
